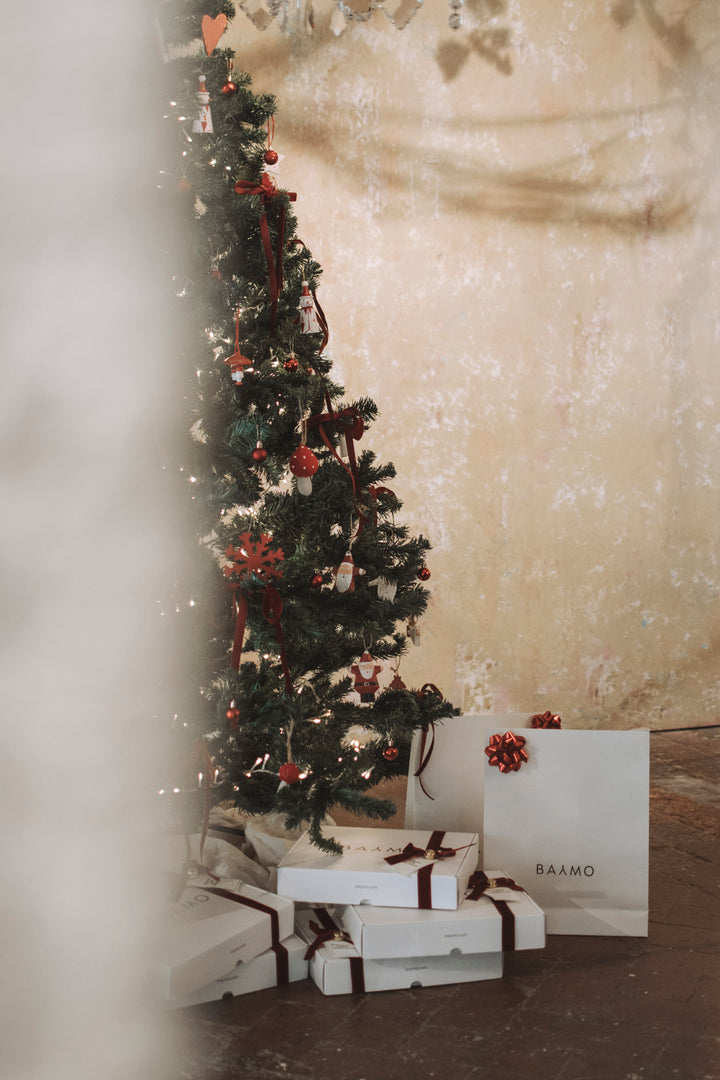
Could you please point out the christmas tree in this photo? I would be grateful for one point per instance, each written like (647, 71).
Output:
(307, 585)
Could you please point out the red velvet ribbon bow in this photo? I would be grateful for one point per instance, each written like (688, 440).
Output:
(506, 751)
(255, 558)
(322, 935)
(479, 883)
(431, 853)
(267, 191)
(545, 720)
(412, 852)
(350, 423)
(326, 929)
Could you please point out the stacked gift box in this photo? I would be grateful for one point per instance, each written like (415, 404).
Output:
(396, 909)
(404, 908)
(223, 937)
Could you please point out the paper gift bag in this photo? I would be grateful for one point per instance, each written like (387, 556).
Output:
(445, 782)
(571, 826)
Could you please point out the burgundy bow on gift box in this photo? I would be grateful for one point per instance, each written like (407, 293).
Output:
(506, 751)
(433, 851)
(478, 885)
(326, 929)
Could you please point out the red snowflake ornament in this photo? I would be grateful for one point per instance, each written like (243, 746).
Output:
(254, 557)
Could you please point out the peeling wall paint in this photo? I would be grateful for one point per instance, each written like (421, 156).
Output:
(518, 226)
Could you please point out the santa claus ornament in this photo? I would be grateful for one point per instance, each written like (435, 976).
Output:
(346, 573)
(203, 125)
(308, 316)
(365, 673)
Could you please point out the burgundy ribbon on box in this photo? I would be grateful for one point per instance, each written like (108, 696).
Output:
(281, 954)
(326, 929)
(478, 884)
(433, 851)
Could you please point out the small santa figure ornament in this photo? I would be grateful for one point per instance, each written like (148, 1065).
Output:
(346, 573)
(366, 673)
(308, 317)
(203, 125)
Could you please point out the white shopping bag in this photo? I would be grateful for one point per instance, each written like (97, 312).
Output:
(447, 793)
(571, 826)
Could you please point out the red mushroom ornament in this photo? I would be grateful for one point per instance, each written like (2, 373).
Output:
(303, 465)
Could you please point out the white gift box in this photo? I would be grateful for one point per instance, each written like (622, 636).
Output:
(362, 874)
(336, 966)
(501, 919)
(448, 793)
(282, 964)
(572, 826)
(212, 926)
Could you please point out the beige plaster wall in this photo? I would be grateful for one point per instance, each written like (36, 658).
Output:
(518, 228)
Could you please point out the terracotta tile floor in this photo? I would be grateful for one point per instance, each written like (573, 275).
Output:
(581, 1009)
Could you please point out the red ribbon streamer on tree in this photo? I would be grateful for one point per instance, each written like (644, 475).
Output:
(545, 720)
(259, 559)
(506, 751)
(267, 191)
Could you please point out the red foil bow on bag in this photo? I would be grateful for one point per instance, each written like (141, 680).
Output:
(506, 751)
(545, 720)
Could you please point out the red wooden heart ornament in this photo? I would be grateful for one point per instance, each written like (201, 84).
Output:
(212, 30)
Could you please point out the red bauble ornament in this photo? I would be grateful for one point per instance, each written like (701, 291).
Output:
(270, 157)
(259, 453)
(390, 753)
(291, 363)
(233, 715)
(289, 773)
(229, 88)
(216, 275)
(184, 187)
(316, 581)
(423, 573)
